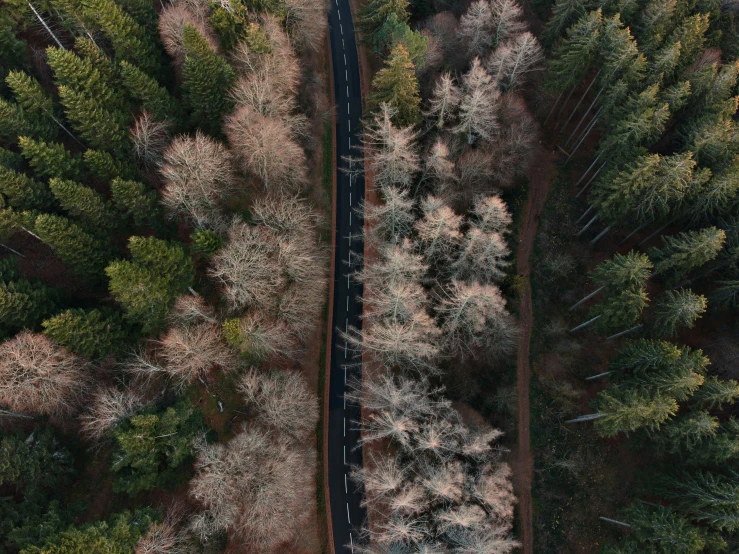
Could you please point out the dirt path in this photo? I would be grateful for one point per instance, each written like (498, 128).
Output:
(540, 177)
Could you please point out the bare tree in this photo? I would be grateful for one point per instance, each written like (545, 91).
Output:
(263, 146)
(306, 20)
(399, 530)
(380, 477)
(467, 516)
(444, 101)
(248, 267)
(492, 214)
(198, 179)
(397, 393)
(397, 302)
(478, 109)
(38, 376)
(487, 23)
(189, 352)
(167, 536)
(392, 151)
(262, 337)
(439, 168)
(511, 63)
(259, 486)
(282, 401)
(482, 257)
(285, 214)
(172, 21)
(191, 309)
(150, 137)
(108, 408)
(392, 219)
(443, 482)
(438, 230)
(476, 169)
(410, 345)
(396, 264)
(300, 306)
(494, 489)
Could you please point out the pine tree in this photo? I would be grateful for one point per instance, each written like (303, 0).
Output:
(38, 106)
(205, 242)
(705, 496)
(147, 285)
(626, 410)
(130, 40)
(715, 197)
(619, 53)
(691, 34)
(206, 80)
(479, 107)
(15, 122)
(444, 100)
(90, 333)
(716, 393)
(24, 303)
(565, 15)
(645, 354)
(136, 201)
(153, 97)
(631, 271)
(574, 55)
(686, 433)
(50, 159)
(685, 251)
(106, 167)
(373, 15)
(619, 311)
(712, 139)
(83, 203)
(653, 187)
(397, 86)
(19, 191)
(678, 380)
(659, 530)
(85, 255)
(676, 309)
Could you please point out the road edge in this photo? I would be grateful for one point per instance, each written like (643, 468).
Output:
(330, 315)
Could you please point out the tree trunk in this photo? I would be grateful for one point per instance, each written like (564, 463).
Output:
(602, 234)
(554, 106)
(584, 188)
(585, 134)
(586, 128)
(592, 165)
(589, 223)
(588, 322)
(588, 297)
(584, 94)
(632, 233)
(13, 251)
(586, 417)
(597, 376)
(34, 235)
(634, 328)
(657, 232)
(589, 107)
(63, 128)
(609, 520)
(562, 107)
(48, 30)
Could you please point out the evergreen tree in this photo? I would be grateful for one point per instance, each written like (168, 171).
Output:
(631, 271)
(713, 139)
(653, 187)
(716, 393)
(686, 433)
(24, 303)
(83, 203)
(375, 13)
(85, 255)
(676, 309)
(394, 32)
(575, 54)
(645, 354)
(130, 40)
(106, 167)
(148, 284)
(231, 22)
(151, 445)
(153, 97)
(205, 242)
(89, 333)
(625, 410)
(119, 535)
(619, 311)
(659, 530)
(705, 496)
(15, 122)
(136, 201)
(566, 14)
(679, 380)
(19, 191)
(396, 85)
(619, 53)
(691, 34)
(37, 105)
(715, 197)
(206, 80)
(685, 251)
(50, 159)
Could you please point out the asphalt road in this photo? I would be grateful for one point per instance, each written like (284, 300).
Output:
(347, 514)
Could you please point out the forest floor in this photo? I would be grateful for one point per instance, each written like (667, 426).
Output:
(540, 174)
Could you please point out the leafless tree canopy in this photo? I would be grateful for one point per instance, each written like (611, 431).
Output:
(443, 487)
(264, 147)
(150, 137)
(259, 487)
(108, 408)
(282, 401)
(392, 219)
(168, 536)
(307, 22)
(38, 376)
(172, 21)
(392, 151)
(438, 230)
(191, 309)
(198, 180)
(487, 23)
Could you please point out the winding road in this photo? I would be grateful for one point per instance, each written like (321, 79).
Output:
(347, 515)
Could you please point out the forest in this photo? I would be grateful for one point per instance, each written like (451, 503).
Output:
(551, 196)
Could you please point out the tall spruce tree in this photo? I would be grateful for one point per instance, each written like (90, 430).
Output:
(396, 84)
(50, 160)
